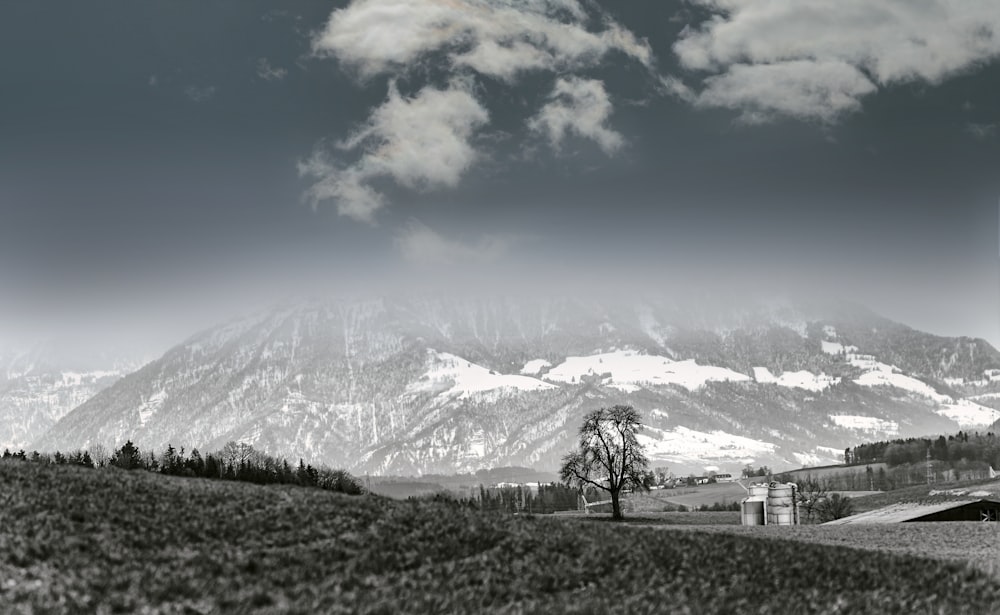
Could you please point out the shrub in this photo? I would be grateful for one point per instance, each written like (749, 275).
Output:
(834, 507)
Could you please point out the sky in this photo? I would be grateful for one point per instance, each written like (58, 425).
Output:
(165, 162)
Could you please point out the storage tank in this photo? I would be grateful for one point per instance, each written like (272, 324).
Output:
(752, 511)
(781, 506)
(753, 508)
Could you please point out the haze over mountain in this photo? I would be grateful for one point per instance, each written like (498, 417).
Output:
(411, 385)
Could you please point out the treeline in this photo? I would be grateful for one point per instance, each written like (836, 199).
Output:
(547, 499)
(235, 461)
(961, 447)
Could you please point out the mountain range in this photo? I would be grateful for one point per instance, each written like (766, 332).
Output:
(416, 385)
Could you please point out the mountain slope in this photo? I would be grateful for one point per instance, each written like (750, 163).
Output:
(441, 385)
(42, 383)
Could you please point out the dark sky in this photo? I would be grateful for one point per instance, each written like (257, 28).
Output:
(167, 160)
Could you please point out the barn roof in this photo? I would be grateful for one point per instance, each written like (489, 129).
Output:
(905, 511)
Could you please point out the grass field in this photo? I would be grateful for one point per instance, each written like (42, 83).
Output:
(74, 540)
(827, 472)
(971, 543)
(691, 497)
(937, 492)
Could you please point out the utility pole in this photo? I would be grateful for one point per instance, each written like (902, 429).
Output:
(930, 472)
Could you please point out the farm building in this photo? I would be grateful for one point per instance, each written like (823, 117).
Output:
(954, 510)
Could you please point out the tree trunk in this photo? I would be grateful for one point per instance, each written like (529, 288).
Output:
(616, 506)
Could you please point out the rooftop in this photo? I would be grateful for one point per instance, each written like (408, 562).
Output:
(906, 511)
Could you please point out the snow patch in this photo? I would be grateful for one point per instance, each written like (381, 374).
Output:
(628, 367)
(969, 414)
(681, 444)
(532, 367)
(797, 380)
(865, 423)
(807, 459)
(831, 450)
(884, 376)
(466, 378)
(837, 348)
(625, 387)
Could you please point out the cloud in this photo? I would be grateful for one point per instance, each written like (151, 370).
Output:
(421, 143)
(200, 94)
(816, 59)
(802, 89)
(580, 106)
(981, 131)
(426, 142)
(270, 73)
(499, 39)
(418, 243)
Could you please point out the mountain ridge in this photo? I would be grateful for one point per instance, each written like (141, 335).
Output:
(437, 385)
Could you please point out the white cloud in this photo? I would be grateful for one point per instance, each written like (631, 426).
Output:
(270, 73)
(200, 94)
(421, 143)
(345, 187)
(803, 89)
(580, 106)
(427, 141)
(817, 59)
(499, 39)
(981, 131)
(420, 244)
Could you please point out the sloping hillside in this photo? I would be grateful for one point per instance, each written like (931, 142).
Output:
(77, 540)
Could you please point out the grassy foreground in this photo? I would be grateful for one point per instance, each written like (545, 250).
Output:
(76, 540)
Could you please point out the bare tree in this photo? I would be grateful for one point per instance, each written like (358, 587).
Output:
(237, 453)
(99, 454)
(609, 456)
(810, 493)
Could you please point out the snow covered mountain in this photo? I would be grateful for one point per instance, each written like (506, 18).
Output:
(41, 383)
(421, 385)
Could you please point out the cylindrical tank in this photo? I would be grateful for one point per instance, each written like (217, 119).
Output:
(752, 512)
(781, 504)
(786, 517)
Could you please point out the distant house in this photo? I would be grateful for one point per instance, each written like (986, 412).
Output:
(904, 512)
(701, 480)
